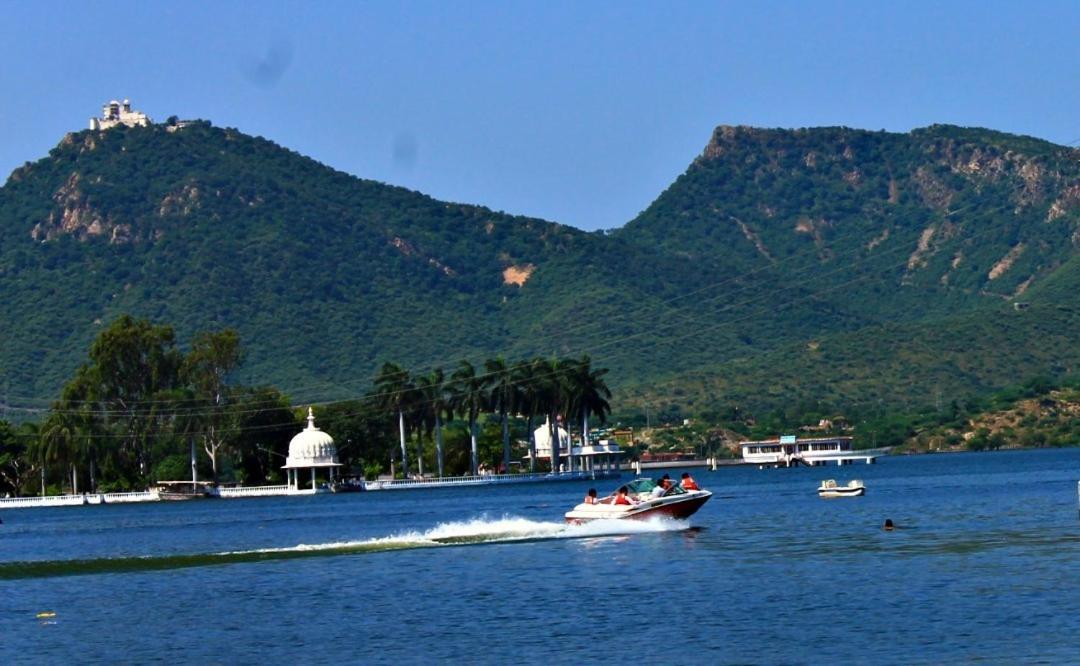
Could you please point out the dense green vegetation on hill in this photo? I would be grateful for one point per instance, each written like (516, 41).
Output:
(831, 268)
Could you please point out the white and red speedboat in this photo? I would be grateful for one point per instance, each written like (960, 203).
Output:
(675, 502)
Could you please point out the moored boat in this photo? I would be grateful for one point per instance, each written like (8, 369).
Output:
(182, 490)
(829, 488)
(644, 502)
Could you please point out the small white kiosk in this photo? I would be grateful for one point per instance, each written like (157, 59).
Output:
(310, 449)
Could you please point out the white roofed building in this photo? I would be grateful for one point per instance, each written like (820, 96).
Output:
(310, 449)
(115, 113)
(599, 458)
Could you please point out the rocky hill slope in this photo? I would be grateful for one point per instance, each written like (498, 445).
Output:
(784, 265)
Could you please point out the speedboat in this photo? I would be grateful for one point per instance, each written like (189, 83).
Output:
(829, 488)
(675, 502)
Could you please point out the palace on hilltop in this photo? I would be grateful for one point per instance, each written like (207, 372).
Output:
(115, 113)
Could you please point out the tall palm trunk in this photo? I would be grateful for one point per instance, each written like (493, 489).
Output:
(585, 437)
(532, 444)
(556, 445)
(438, 443)
(420, 451)
(506, 441)
(475, 454)
(404, 452)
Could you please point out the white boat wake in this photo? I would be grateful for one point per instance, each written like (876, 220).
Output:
(488, 530)
(507, 529)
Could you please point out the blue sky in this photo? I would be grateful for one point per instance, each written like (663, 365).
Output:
(578, 112)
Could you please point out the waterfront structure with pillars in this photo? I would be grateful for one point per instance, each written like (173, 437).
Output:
(599, 459)
(310, 449)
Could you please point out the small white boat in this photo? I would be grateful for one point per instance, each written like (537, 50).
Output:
(829, 488)
(676, 502)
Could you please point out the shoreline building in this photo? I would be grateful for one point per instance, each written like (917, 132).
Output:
(790, 451)
(115, 113)
(310, 449)
(600, 459)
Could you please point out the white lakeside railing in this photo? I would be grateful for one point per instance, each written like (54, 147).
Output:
(79, 500)
(123, 498)
(46, 500)
(485, 479)
(255, 491)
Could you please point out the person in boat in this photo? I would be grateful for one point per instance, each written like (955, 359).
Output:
(688, 482)
(590, 497)
(662, 487)
(621, 497)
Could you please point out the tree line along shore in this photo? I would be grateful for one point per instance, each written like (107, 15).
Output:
(139, 408)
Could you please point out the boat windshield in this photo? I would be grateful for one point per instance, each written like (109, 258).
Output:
(641, 486)
(645, 486)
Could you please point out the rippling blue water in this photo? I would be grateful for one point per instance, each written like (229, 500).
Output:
(984, 566)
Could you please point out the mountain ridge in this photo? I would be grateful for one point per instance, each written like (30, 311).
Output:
(769, 240)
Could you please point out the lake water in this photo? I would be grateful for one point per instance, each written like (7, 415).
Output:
(984, 566)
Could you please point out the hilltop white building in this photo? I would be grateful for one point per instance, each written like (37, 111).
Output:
(115, 113)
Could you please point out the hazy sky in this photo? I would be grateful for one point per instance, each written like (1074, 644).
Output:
(578, 112)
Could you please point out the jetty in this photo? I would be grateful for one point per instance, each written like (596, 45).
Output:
(791, 451)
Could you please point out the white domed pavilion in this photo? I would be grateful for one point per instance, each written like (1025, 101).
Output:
(310, 449)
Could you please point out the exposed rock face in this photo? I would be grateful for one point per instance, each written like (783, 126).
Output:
(73, 215)
(1068, 201)
(518, 275)
(935, 194)
(182, 202)
(816, 230)
(1006, 262)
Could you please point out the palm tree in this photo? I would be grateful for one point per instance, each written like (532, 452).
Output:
(500, 381)
(589, 394)
(57, 444)
(528, 402)
(551, 397)
(469, 398)
(431, 389)
(393, 388)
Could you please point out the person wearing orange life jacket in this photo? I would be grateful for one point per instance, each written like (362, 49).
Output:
(621, 497)
(688, 482)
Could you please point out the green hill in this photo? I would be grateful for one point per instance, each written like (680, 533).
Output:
(784, 265)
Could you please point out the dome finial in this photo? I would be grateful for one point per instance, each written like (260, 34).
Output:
(310, 419)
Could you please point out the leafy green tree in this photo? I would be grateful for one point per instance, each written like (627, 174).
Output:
(132, 364)
(13, 464)
(206, 368)
(264, 423)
